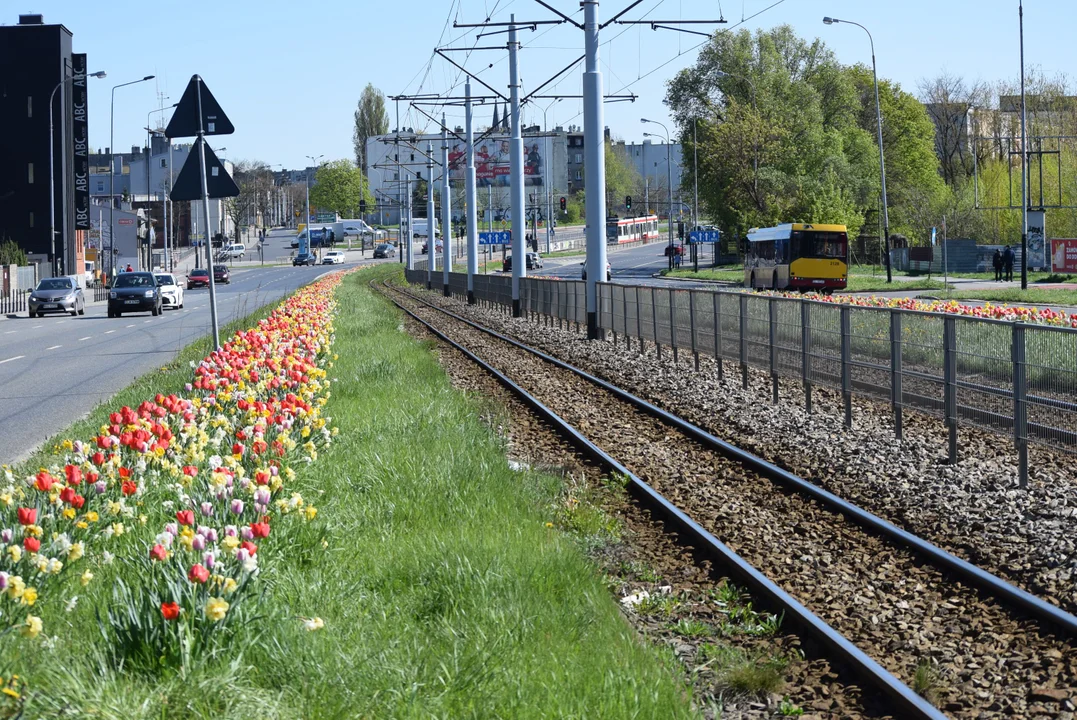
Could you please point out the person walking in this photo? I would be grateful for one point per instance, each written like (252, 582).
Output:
(996, 262)
(1007, 261)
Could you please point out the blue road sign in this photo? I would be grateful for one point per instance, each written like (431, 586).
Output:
(704, 236)
(496, 237)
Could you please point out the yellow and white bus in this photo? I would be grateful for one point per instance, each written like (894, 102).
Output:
(798, 256)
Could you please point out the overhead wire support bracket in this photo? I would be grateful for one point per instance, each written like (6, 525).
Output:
(518, 24)
(462, 69)
(656, 26)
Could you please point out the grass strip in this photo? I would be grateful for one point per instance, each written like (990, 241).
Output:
(1032, 296)
(444, 593)
(856, 283)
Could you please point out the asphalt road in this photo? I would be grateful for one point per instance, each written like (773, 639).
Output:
(54, 370)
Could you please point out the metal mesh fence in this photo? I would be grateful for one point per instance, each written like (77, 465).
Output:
(1050, 367)
(869, 351)
(923, 382)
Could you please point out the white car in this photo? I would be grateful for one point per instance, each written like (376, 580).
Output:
(171, 291)
(333, 257)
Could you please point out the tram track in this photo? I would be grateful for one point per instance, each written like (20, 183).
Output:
(890, 603)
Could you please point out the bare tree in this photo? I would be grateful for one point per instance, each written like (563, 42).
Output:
(949, 100)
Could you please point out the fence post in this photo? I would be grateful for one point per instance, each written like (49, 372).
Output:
(692, 325)
(744, 341)
(896, 395)
(846, 374)
(717, 302)
(805, 352)
(772, 316)
(654, 323)
(1020, 403)
(639, 321)
(673, 322)
(949, 342)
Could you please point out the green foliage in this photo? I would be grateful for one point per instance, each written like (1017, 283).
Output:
(371, 118)
(339, 186)
(12, 254)
(573, 214)
(785, 103)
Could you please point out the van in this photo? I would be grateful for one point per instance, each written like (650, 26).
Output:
(234, 250)
(419, 227)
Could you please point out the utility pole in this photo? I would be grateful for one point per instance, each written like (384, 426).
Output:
(446, 209)
(431, 217)
(1024, 156)
(595, 162)
(408, 249)
(472, 218)
(516, 170)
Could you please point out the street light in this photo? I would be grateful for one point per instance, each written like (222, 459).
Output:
(52, 180)
(546, 165)
(669, 179)
(112, 169)
(879, 125)
(306, 176)
(150, 133)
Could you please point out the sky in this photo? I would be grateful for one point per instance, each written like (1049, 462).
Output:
(289, 74)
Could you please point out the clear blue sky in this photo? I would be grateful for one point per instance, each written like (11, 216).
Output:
(289, 74)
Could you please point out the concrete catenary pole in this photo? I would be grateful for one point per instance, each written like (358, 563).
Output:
(405, 227)
(595, 163)
(446, 208)
(431, 217)
(516, 170)
(471, 200)
(1024, 155)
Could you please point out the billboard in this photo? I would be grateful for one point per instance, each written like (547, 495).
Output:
(1037, 250)
(1064, 256)
(492, 162)
(80, 138)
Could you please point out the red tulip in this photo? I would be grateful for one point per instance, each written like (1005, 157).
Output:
(129, 487)
(27, 516)
(249, 547)
(32, 544)
(158, 552)
(198, 574)
(43, 482)
(260, 529)
(185, 517)
(169, 610)
(68, 495)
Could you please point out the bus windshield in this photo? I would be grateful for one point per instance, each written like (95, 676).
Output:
(820, 245)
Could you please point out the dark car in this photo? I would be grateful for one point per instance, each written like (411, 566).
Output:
(304, 258)
(673, 250)
(134, 292)
(58, 294)
(532, 260)
(384, 250)
(199, 277)
(221, 274)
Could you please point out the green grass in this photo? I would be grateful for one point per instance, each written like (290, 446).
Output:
(1032, 296)
(861, 283)
(564, 253)
(444, 593)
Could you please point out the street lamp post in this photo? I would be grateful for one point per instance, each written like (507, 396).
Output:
(314, 163)
(112, 169)
(52, 170)
(879, 125)
(669, 179)
(547, 165)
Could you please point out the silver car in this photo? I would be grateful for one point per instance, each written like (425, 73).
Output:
(58, 294)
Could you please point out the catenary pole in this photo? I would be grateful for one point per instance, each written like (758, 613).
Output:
(470, 199)
(1024, 155)
(516, 170)
(201, 142)
(446, 209)
(431, 217)
(408, 249)
(595, 162)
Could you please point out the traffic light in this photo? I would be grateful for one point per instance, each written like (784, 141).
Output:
(482, 214)
(362, 207)
(628, 202)
(680, 230)
(564, 204)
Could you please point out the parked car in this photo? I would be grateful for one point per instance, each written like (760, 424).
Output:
(532, 260)
(304, 258)
(221, 274)
(235, 250)
(171, 292)
(134, 292)
(438, 247)
(199, 277)
(333, 257)
(673, 250)
(609, 272)
(385, 250)
(58, 294)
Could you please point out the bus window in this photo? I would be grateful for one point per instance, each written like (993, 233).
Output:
(820, 245)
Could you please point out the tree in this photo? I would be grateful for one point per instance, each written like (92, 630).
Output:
(371, 119)
(948, 101)
(339, 187)
(622, 178)
(255, 180)
(12, 254)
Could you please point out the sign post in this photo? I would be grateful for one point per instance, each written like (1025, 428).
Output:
(199, 114)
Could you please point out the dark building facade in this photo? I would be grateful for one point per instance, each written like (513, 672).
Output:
(34, 59)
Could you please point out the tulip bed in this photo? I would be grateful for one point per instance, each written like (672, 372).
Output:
(204, 474)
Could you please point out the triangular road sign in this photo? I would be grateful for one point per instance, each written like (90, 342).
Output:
(189, 183)
(185, 121)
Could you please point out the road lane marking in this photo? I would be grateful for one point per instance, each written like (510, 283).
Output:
(88, 337)
(54, 347)
(10, 331)
(17, 357)
(35, 327)
(147, 321)
(109, 332)
(130, 326)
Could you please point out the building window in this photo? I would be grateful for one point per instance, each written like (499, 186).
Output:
(579, 157)
(164, 163)
(30, 173)
(31, 219)
(29, 106)
(579, 175)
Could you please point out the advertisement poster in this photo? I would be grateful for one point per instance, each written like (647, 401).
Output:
(492, 162)
(1064, 256)
(80, 138)
(1037, 248)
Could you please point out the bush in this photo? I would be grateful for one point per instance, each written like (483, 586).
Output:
(12, 254)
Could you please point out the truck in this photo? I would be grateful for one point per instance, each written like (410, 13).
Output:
(420, 227)
(317, 237)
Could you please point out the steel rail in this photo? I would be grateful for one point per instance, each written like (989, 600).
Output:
(905, 700)
(1025, 601)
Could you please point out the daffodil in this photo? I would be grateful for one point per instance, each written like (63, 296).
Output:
(31, 627)
(216, 609)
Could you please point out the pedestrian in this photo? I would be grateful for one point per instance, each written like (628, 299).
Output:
(1007, 261)
(996, 262)
(129, 268)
